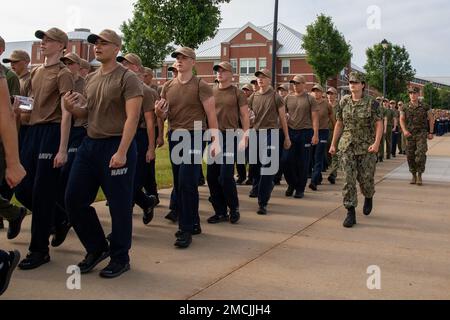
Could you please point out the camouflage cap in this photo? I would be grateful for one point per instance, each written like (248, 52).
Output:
(317, 87)
(413, 90)
(332, 90)
(356, 77)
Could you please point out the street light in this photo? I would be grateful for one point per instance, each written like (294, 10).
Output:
(385, 45)
(274, 45)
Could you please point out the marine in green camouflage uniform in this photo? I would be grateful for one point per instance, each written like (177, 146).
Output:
(389, 122)
(383, 110)
(417, 123)
(360, 123)
(334, 162)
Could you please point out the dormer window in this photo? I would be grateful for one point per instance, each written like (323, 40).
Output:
(248, 36)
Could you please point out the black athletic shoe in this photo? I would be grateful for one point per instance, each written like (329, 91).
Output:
(196, 231)
(34, 260)
(184, 240)
(60, 234)
(2, 225)
(235, 216)
(299, 195)
(253, 194)
(290, 191)
(240, 181)
(172, 216)
(313, 187)
(16, 224)
(262, 211)
(91, 260)
(332, 179)
(6, 269)
(114, 269)
(218, 219)
(148, 215)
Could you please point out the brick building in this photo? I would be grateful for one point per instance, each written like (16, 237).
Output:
(249, 49)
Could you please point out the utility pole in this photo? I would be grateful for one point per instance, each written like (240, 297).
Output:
(274, 45)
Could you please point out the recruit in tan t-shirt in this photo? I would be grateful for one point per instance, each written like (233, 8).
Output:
(265, 106)
(228, 106)
(79, 87)
(106, 101)
(325, 113)
(186, 102)
(48, 85)
(148, 103)
(300, 109)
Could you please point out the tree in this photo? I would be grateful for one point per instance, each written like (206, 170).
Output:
(327, 51)
(445, 99)
(159, 25)
(399, 71)
(431, 96)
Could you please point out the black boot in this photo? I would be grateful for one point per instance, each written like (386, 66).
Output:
(368, 204)
(350, 221)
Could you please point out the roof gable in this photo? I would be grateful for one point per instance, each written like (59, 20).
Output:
(250, 25)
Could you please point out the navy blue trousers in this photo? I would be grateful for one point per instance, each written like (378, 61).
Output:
(38, 191)
(319, 155)
(90, 171)
(185, 197)
(296, 160)
(143, 169)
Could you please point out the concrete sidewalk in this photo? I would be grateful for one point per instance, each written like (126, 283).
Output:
(299, 251)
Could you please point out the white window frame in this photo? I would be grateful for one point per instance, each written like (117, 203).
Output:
(158, 73)
(249, 36)
(234, 64)
(285, 64)
(74, 48)
(248, 64)
(262, 65)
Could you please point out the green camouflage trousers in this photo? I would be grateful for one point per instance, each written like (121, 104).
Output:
(335, 163)
(416, 150)
(359, 168)
(388, 138)
(381, 151)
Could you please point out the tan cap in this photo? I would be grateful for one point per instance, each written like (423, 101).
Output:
(379, 99)
(385, 100)
(413, 90)
(264, 72)
(16, 56)
(172, 68)
(71, 57)
(131, 58)
(185, 51)
(106, 35)
(224, 65)
(54, 34)
(284, 87)
(299, 79)
(148, 70)
(85, 64)
(247, 87)
(317, 87)
(393, 102)
(332, 90)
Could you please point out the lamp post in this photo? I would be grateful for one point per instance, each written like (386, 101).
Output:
(274, 45)
(385, 44)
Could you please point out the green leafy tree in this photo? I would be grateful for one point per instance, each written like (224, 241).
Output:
(159, 25)
(326, 48)
(399, 71)
(431, 96)
(445, 99)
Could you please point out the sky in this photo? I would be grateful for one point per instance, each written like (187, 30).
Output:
(423, 27)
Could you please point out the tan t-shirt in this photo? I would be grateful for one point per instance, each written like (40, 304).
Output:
(186, 102)
(106, 100)
(148, 103)
(25, 85)
(325, 113)
(300, 109)
(48, 85)
(265, 106)
(79, 87)
(228, 106)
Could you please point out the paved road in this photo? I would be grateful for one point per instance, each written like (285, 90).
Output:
(299, 251)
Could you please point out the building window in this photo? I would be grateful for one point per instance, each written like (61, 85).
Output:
(38, 54)
(248, 66)
(169, 74)
(234, 65)
(285, 66)
(74, 48)
(248, 36)
(225, 51)
(158, 73)
(262, 63)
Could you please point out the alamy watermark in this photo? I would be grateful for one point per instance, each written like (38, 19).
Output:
(263, 145)
(374, 280)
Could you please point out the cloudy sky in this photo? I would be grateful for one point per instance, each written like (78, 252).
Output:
(423, 27)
